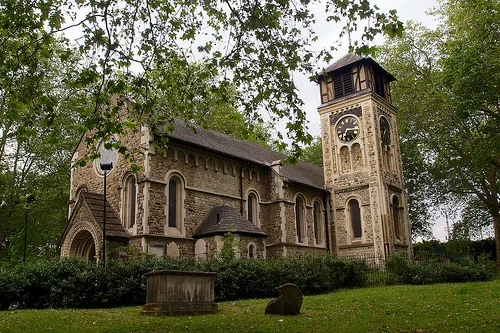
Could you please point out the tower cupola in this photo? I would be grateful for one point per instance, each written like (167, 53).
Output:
(352, 74)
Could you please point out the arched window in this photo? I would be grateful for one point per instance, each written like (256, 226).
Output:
(318, 222)
(355, 216)
(79, 190)
(173, 202)
(253, 208)
(251, 251)
(174, 208)
(395, 217)
(129, 201)
(300, 219)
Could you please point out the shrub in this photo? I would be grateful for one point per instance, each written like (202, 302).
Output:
(434, 271)
(250, 278)
(76, 283)
(455, 250)
(9, 288)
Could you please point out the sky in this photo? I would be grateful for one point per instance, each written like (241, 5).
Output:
(407, 10)
(414, 10)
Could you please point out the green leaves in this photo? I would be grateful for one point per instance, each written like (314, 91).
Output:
(448, 97)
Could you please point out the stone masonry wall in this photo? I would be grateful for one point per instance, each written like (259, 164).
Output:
(209, 180)
(89, 178)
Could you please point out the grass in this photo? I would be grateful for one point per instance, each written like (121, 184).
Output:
(462, 307)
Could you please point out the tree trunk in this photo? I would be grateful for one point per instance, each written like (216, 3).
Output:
(496, 226)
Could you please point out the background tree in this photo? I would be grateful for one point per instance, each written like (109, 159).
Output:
(37, 121)
(191, 92)
(475, 222)
(252, 45)
(313, 153)
(449, 103)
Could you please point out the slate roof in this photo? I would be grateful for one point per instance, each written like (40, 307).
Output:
(352, 58)
(223, 219)
(301, 173)
(348, 59)
(95, 202)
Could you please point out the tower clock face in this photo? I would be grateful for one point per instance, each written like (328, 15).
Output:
(348, 129)
(385, 131)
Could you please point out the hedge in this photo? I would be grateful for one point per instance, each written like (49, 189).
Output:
(435, 271)
(72, 282)
(76, 283)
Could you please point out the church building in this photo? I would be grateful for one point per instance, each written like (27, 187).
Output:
(205, 184)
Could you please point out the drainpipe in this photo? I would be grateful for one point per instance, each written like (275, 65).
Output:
(241, 191)
(327, 226)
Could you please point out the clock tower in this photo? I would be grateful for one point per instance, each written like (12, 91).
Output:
(362, 160)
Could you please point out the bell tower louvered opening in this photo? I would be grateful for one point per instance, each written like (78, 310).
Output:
(342, 83)
(352, 74)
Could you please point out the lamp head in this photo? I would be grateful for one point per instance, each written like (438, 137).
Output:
(30, 198)
(106, 166)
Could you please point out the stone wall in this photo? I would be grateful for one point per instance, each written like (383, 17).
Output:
(209, 180)
(87, 177)
(366, 170)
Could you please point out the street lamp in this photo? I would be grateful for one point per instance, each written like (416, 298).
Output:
(29, 199)
(105, 167)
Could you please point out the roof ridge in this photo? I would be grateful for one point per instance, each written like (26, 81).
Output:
(225, 144)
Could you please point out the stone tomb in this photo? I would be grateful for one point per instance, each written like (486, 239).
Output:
(179, 293)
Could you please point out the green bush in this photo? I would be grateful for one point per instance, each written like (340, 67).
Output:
(434, 271)
(457, 251)
(76, 283)
(9, 288)
(250, 278)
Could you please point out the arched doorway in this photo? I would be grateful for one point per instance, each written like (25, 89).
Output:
(83, 246)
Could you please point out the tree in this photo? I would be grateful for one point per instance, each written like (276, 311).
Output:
(475, 222)
(193, 94)
(405, 58)
(252, 45)
(37, 163)
(50, 84)
(313, 153)
(37, 117)
(449, 102)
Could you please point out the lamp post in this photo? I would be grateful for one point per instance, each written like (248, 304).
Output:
(29, 199)
(105, 167)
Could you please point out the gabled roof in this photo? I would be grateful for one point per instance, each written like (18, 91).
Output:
(346, 60)
(223, 219)
(352, 58)
(301, 173)
(95, 202)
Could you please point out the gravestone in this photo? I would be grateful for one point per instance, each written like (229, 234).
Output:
(179, 293)
(288, 303)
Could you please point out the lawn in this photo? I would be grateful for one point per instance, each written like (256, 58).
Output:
(461, 307)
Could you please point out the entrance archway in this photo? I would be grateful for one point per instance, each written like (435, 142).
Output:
(83, 246)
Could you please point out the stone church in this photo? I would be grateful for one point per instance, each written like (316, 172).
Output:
(206, 184)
